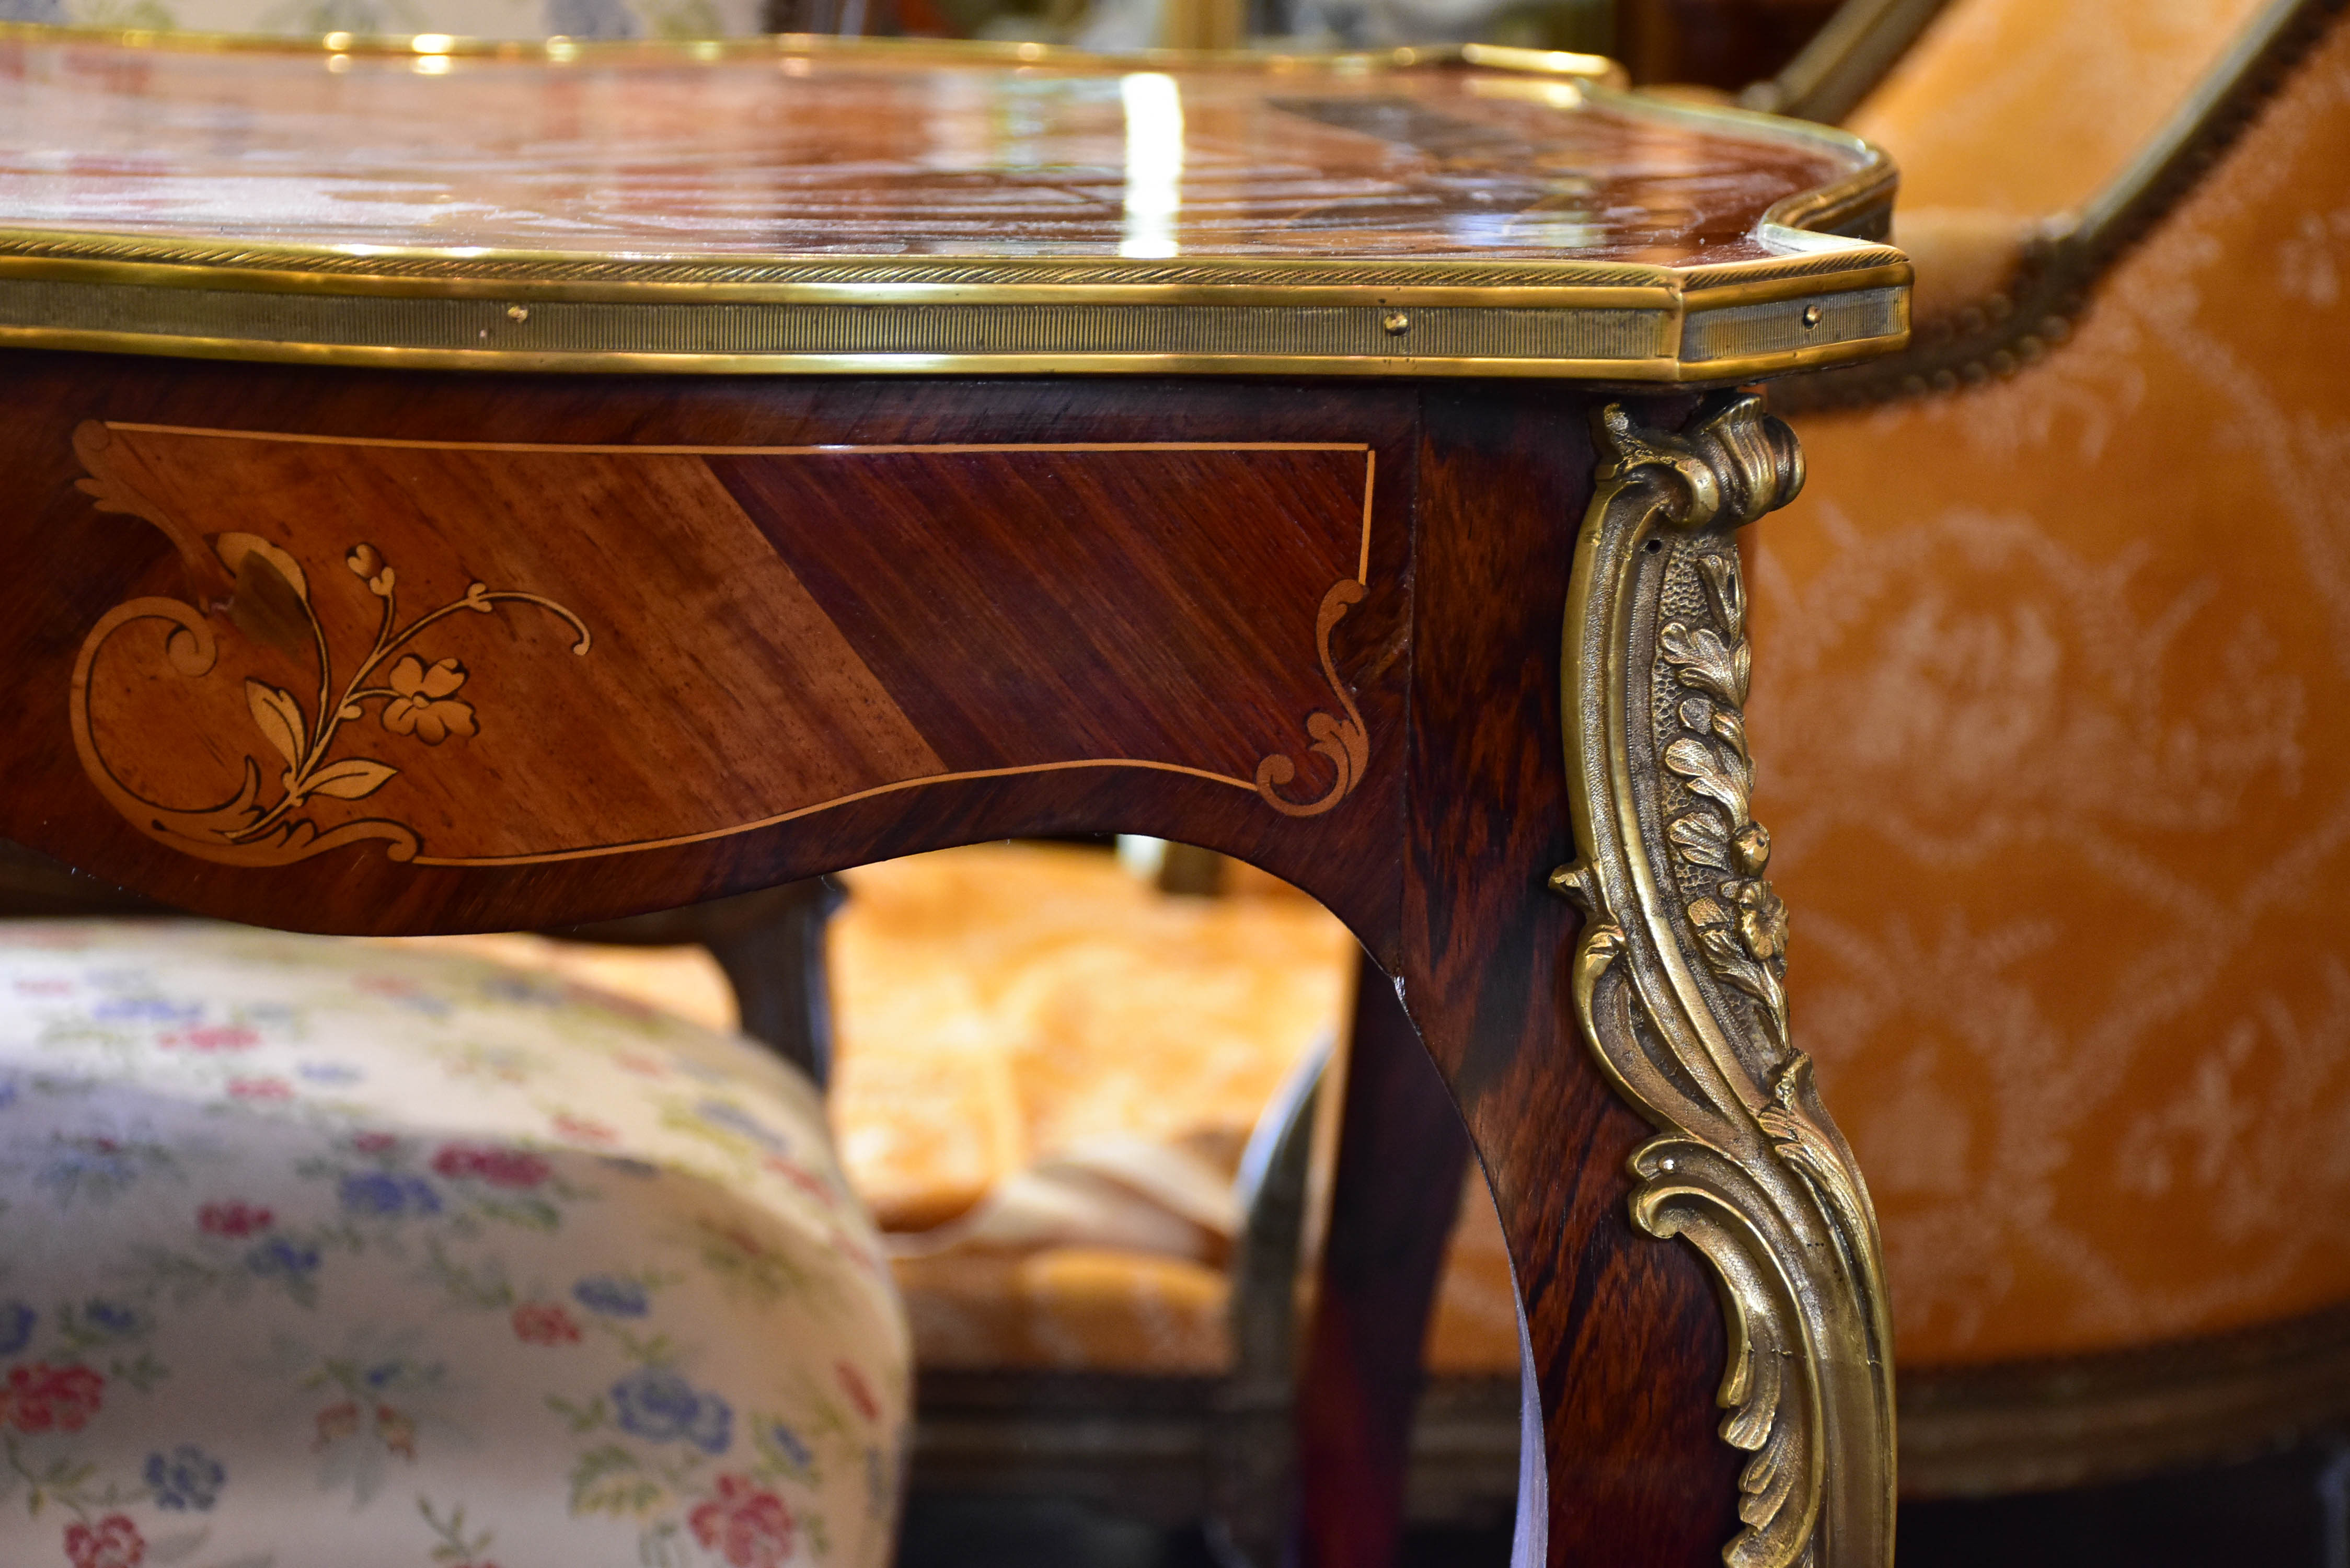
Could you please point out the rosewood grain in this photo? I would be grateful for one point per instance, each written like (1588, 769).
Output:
(1625, 1336)
(1170, 607)
(1393, 1198)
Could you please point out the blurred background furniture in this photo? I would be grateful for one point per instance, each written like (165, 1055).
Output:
(1048, 1098)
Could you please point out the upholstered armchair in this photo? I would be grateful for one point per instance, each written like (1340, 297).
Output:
(2053, 741)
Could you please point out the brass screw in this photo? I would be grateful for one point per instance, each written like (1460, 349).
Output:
(1811, 315)
(1396, 323)
(517, 313)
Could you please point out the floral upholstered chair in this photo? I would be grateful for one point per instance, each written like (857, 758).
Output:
(316, 1251)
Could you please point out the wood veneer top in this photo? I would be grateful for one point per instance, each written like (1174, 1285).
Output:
(806, 206)
(880, 154)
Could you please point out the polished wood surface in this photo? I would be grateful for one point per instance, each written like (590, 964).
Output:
(745, 710)
(877, 156)
(1457, 625)
(347, 639)
(1394, 1194)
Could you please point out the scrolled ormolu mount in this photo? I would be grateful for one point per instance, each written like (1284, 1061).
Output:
(1679, 980)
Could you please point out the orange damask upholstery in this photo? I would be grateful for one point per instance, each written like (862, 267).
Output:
(2010, 115)
(2052, 684)
(2029, 107)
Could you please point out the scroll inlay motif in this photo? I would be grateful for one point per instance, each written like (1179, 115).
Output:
(837, 639)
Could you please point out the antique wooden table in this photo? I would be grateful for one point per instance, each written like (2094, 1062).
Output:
(456, 488)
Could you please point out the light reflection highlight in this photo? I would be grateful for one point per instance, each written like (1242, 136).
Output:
(1154, 162)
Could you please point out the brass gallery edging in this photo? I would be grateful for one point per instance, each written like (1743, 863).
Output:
(1651, 335)
(421, 703)
(540, 311)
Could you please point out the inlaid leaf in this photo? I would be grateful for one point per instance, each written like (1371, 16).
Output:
(280, 718)
(271, 602)
(350, 779)
(235, 549)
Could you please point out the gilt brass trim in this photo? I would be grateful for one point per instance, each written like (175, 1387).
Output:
(543, 310)
(1679, 980)
(2055, 272)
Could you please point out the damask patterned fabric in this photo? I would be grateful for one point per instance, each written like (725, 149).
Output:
(2029, 107)
(500, 19)
(332, 1252)
(2053, 709)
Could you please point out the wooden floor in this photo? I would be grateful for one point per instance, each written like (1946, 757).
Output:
(2287, 1510)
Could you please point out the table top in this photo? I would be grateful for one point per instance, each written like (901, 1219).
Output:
(799, 204)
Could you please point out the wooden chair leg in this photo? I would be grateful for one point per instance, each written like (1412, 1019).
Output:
(770, 945)
(781, 982)
(1394, 1196)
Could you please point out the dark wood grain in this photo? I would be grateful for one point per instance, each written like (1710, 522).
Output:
(1393, 1196)
(963, 585)
(1625, 1336)
(678, 729)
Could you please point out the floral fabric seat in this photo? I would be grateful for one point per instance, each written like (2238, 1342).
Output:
(317, 1253)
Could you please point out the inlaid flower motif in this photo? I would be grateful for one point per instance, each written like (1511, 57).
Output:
(366, 562)
(113, 1542)
(421, 704)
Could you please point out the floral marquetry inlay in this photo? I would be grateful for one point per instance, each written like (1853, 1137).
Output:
(358, 647)
(412, 695)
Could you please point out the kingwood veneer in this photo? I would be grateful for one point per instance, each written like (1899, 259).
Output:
(455, 490)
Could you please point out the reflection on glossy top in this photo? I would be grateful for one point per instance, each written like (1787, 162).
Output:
(874, 155)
